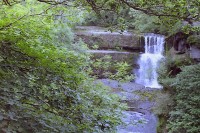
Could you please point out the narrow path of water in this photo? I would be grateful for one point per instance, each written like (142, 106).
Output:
(138, 118)
(138, 123)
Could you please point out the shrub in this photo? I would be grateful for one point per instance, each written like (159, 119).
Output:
(194, 40)
(44, 86)
(122, 72)
(164, 104)
(185, 116)
(106, 68)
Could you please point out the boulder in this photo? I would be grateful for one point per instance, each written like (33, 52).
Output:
(195, 53)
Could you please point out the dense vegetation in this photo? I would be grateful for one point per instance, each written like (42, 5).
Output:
(180, 77)
(105, 67)
(185, 116)
(44, 83)
(164, 16)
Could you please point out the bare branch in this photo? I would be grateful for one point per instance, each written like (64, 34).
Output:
(7, 2)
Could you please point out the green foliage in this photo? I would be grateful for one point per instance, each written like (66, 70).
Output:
(169, 14)
(106, 68)
(173, 74)
(194, 40)
(95, 46)
(169, 66)
(122, 72)
(142, 22)
(37, 99)
(138, 21)
(185, 117)
(101, 66)
(161, 127)
(164, 104)
(44, 85)
(172, 29)
(127, 18)
(181, 79)
(62, 35)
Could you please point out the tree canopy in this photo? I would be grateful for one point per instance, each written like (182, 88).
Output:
(170, 13)
(186, 10)
(45, 86)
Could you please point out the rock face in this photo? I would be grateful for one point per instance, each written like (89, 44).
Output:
(93, 35)
(121, 47)
(129, 57)
(195, 53)
(178, 42)
(194, 41)
(185, 44)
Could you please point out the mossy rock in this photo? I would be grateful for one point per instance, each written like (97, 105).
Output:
(194, 40)
(162, 124)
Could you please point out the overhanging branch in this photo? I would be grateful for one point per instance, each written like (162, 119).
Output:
(149, 11)
(20, 18)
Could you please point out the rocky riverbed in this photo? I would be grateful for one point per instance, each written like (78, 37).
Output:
(139, 117)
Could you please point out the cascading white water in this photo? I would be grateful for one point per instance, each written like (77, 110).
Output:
(149, 61)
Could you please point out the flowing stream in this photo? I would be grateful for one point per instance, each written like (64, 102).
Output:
(149, 61)
(138, 118)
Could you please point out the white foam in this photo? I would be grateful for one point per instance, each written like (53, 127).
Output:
(149, 61)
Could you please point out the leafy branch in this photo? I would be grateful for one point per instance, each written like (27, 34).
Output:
(22, 17)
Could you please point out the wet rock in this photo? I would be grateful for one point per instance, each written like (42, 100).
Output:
(127, 87)
(138, 123)
(130, 87)
(126, 96)
(195, 53)
(141, 106)
(179, 42)
(138, 118)
(110, 83)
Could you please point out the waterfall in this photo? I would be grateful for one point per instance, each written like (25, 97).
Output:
(149, 61)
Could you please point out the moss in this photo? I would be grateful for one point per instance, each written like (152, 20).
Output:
(194, 40)
(161, 127)
(147, 95)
